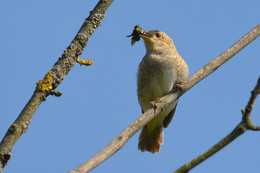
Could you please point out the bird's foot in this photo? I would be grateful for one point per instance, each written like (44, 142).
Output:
(153, 103)
(179, 85)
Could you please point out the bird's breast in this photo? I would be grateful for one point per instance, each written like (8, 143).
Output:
(154, 82)
(160, 82)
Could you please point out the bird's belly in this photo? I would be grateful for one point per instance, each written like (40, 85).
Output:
(157, 86)
(160, 86)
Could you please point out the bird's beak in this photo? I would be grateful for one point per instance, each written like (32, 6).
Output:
(148, 38)
(145, 36)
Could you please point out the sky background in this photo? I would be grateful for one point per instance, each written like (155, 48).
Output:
(100, 101)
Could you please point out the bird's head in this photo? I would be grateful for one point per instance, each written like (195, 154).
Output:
(156, 40)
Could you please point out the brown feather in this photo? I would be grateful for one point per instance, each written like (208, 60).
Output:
(151, 141)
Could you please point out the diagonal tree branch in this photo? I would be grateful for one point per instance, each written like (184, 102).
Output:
(52, 80)
(242, 127)
(119, 141)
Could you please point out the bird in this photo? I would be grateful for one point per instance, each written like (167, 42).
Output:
(158, 72)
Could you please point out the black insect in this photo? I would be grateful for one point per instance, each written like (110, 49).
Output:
(135, 34)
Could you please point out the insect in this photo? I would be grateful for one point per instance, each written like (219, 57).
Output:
(135, 34)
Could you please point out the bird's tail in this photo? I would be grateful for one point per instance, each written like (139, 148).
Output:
(151, 141)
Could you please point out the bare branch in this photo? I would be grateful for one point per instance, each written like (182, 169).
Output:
(55, 76)
(119, 141)
(243, 126)
(239, 130)
(255, 128)
(247, 111)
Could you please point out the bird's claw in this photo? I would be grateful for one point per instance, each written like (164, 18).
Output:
(153, 103)
(179, 85)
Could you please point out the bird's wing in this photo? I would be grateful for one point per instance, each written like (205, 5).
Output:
(169, 117)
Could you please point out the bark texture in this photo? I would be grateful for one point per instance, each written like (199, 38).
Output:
(57, 73)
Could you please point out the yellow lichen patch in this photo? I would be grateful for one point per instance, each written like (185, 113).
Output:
(84, 62)
(243, 111)
(46, 83)
(14, 125)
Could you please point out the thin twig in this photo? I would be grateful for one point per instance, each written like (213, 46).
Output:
(243, 126)
(247, 111)
(239, 130)
(119, 141)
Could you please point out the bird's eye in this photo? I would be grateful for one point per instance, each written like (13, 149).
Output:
(158, 35)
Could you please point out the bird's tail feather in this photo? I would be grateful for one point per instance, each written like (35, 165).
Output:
(151, 141)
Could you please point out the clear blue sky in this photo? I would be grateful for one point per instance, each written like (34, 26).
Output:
(99, 101)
